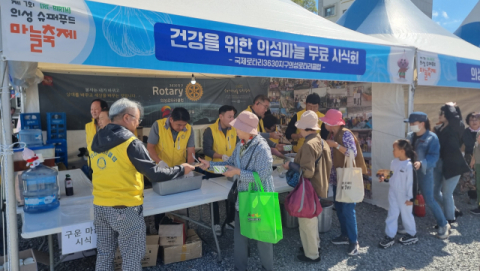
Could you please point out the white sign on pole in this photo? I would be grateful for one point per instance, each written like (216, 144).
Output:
(78, 237)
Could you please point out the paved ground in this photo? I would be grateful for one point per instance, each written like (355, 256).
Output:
(460, 252)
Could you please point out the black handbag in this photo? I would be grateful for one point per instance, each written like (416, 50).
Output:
(233, 193)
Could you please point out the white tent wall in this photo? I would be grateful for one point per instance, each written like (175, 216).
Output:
(430, 99)
(388, 111)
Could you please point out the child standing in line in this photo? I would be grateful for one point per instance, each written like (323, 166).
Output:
(400, 195)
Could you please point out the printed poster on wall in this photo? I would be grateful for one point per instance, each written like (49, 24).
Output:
(73, 95)
(354, 100)
(94, 33)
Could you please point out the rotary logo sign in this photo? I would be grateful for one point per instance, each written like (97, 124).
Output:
(194, 91)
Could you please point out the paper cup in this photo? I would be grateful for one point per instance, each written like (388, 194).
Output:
(287, 148)
(219, 169)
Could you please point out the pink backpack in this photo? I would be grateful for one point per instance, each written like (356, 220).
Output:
(303, 201)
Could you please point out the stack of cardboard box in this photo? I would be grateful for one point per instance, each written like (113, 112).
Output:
(176, 243)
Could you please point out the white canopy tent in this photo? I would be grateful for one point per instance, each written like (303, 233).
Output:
(129, 37)
(439, 54)
(469, 30)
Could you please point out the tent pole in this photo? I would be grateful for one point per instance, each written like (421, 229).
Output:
(12, 230)
(7, 178)
(411, 90)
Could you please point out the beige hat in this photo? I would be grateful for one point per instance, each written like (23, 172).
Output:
(308, 120)
(246, 122)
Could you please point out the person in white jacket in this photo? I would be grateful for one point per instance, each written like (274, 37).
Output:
(401, 195)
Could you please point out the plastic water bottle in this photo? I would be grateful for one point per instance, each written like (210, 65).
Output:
(40, 189)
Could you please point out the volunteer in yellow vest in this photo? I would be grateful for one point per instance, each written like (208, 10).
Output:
(91, 128)
(270, 123)
(103, 119)
(260, 106)
(171, 139)
(219, 141)
(292, 133)
(118, 160)
(220, 138)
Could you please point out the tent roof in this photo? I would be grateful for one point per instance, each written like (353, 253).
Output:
(276, 15)
(113, 71)
(401, 22)
(469, 30)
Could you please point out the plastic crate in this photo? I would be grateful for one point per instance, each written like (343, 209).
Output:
(30, 121)
(56, 125)
(61, 150)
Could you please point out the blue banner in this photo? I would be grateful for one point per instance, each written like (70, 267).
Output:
(203, 46)
(468, 73)
(95, 33)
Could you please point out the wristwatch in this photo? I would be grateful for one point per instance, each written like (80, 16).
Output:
(337, 147)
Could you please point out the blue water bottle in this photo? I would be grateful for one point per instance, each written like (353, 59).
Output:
(40, 189)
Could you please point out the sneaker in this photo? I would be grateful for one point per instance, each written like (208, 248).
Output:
(452, 222)
(302, 251)
(230, 226)
(386, 242)
(341, 240)
(353, 249)
(218, 230)
(475, 211)
(408, 240)
(458, 213)
(305, 259)
(444, 232)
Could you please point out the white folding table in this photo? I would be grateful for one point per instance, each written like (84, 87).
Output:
(78, 209)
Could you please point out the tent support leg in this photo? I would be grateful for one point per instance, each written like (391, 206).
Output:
(51, 252)
(411, 94)
(12, 230)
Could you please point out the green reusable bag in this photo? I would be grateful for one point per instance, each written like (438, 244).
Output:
(259, 214)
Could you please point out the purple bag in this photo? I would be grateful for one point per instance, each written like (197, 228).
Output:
(303, 201)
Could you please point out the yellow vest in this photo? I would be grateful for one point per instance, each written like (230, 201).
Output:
(222, 144)
(297, 147)
(115, 179)
(275, 140)
(90, 130)
(260, 127)
(172, 153)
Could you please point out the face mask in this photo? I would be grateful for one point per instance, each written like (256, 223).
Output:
(415, 128)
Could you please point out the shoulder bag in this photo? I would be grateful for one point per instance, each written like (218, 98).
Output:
(233, 193)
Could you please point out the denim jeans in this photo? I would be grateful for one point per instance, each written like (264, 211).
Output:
(426, 187)
(443, 191)
(346, 217)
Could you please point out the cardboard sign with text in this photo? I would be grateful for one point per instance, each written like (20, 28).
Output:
(78, 237)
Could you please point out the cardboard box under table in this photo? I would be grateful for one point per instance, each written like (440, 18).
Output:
(191, 250)
(172, 235)
(151, 254)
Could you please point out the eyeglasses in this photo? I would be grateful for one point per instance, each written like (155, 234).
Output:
(264, 106)
(139, 120)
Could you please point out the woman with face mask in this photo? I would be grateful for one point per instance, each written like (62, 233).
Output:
(427, 147)
(451, 164)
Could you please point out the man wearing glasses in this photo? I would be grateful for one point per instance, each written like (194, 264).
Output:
(260, 106)
(118, 160)
(172, 139)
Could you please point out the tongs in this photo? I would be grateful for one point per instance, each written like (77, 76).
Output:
(196, 160)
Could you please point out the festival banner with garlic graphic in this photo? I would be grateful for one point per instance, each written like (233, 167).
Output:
(130, 36)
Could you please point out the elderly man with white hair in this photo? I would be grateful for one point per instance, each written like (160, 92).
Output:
(118, 160)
